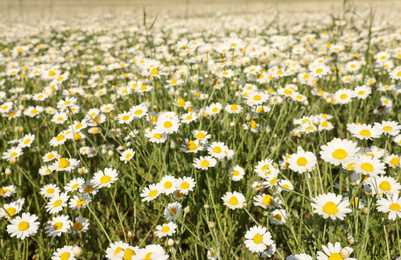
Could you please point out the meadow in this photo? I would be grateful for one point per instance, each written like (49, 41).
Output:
(232, 136)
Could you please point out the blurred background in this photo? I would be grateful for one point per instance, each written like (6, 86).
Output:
(176, 8)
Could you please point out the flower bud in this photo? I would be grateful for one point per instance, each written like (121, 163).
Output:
(206, 206)
(186, 209)
(129, 234)
(110, 153)
(316, 121)
(306, 103)
(344, 253)
(8, 171)
(211, 224)
(170, 242)
(77, 251)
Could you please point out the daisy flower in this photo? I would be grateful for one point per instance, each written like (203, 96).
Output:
(104, 178)
(216, 149)
(237, 173)
(65, 164)
(330, 205)
(173, 211)
(168, 183)
(57, 203)
(257, 239)
(233, 109)
(79, 202)
(27, 140)
(152, 192)
(80, 225)
(11, 209)
(390, 204)
(369, 165)
(125, 118)
(23, 226)
(74, 184)
(127, 155)
(388, 127)
(363, 131)
(166, 229)
(201, 135)
(116, 250)
(185, 184)
(384, 185)
(12, 153)
(50, 156)
(189, 146)
(49, 190)
(88, 188)
(266, 201)
(58, 225)
(233, 200)
(156, 136)
(393, 160)
(6, 191)
(335, 252)
(278, 217)
(168, 125)
(204, 162)
(302, 161)
(339, 151)
(64, 253)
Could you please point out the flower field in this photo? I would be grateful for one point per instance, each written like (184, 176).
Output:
(218, 137)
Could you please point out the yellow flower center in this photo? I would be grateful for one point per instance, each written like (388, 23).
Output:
(11, 211)
(128, 253)
(367, 167)
(23, 225)
(302, 161)
(385, 186)
(257, 239)
(217, 149)
(60, 137)
(77, 226)
(125, 118)
(13, 154)
(235, 173)
(205, 163)
(387, 128)
(191, 145)
(319, 70)
(335, 256)
(65, 256)
(153, 193)
(105, 179)
(167, 124)
(185, 185)
(165, 229)
(233, 201)
(395, 207)
(365, 132)
(268, 200)
(340, 154)
(168, 184)
(80, 202)
(138, 112)
(58, 225)
(128, 156)
(64, 163)
(330, 208)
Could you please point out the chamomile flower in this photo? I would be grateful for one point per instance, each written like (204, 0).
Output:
(48, 157)
(168, 183)
(116, 250)
(369, 165)
(11, 209)
(49, 190)
(301, 256)
(330, 206)
(185, 184)
(393, 160)
(257, 239)
(388, 127)
(57, 203)
(233, 200)
(363, 131)
(104, 178)
(278, 217)
(12, 153)
(24, 226)
(127, 155)
(64, 253)
(335, 251)
(27, 140)
(237, 173)
(173, 211)
(79, 225)
(74, 184)
(391, 204)
(166, 229)
(58, 225)
(302, 161)
(152, 192)
(339, 151)
(204, 162)
(384, 185)
(202, 136)
(79, 202)
(266, 201)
